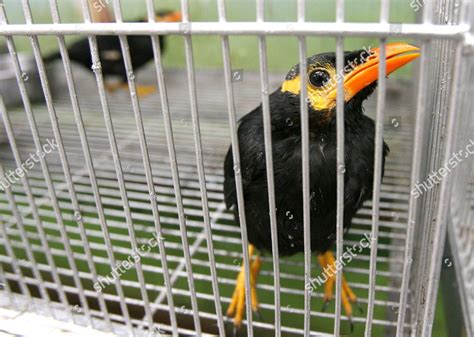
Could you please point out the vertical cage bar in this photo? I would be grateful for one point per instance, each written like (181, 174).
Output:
(97, 68)
(67, 173)
(18, 161)
(17, 214)
(340, 178)
(90, 168)
(301, 9)
(377, 181)
(415, 177)
(182, 224)
(416, 171)
(4, 233)
(432, 145)
(172, 156)
(57, 135)
(378, 162)
(77, 114)
(450, 135)
(237, 168)
(146, 162)
(169, 136)
(267, 129)
(443, 202)
(34, 129)
(200, 167)
(11, 254)
(4, 286)
(340, 169)
(43, 239)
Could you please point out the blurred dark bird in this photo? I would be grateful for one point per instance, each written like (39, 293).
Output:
(110, 54)
(359, 81)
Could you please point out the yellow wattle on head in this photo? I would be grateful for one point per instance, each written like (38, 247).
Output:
(360, 70)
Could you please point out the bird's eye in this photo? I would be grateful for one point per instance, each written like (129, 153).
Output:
(319, 78)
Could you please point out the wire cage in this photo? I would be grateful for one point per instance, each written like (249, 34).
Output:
(140, 181)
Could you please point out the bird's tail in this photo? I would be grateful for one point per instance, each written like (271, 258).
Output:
(51, 57)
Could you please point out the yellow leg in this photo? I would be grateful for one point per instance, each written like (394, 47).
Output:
(237, 304)
(326, 260)
(145, 90)
(112, 87)
(142, 90)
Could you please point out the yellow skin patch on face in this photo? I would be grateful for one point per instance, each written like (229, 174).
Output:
(320, 98)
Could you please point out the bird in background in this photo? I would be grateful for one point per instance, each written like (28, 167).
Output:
(111, 58)
(359, 81)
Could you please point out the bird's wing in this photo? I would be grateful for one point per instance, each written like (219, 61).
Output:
(80, 52)
(252, 157)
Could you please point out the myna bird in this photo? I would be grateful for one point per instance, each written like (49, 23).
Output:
(359, 81)
(110, 54)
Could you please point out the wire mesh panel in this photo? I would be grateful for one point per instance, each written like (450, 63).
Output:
(461, 214)
(461, 206)
(112, 211)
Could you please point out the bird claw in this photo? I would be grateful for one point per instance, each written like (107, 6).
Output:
(259, 315)
(347, 295)
(235, 331)
(325, 305)
(236, 307)
(145, 90)
(351, 323)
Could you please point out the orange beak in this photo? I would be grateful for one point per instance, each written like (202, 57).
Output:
(396, 55)
(170, 17)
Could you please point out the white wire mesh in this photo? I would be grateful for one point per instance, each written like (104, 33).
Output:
(87, 207)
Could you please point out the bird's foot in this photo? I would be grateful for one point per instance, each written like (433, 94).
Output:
(145, 90)
(112, 87)
(236, 308)
(348, 298)
(142, 90)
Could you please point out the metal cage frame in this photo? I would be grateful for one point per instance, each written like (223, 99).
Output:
(446, 35)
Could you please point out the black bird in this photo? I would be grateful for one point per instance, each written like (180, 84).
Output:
(359, 81)
(110, 53)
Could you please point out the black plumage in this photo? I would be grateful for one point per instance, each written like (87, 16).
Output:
(286, 138)
(110, 52)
